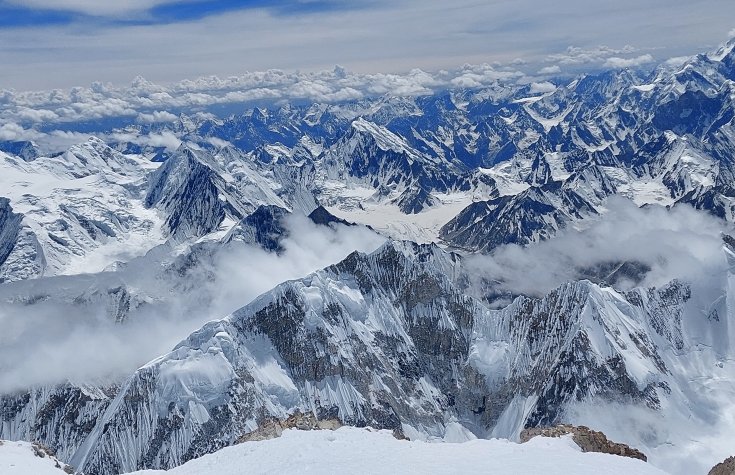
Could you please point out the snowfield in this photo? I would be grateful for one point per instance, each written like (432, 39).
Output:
(20, 458)
(354, 450)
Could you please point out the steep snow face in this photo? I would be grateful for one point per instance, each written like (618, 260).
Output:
(596, 343)
(372, 154)
(197, 191)
(391, 340)
(696, 346)
(353, 450)
(64, 413)
(376, 340)
(78, 212)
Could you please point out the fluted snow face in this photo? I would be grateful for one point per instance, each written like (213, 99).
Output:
(391, 340)
(376, 340)
(581, 341)
(185, 190)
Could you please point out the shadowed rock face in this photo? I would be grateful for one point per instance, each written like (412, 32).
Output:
(187, 190)
(263, 228)
(587, 439)
(21, 148)
(10, 224)
(320, 215)
(726, 467)
(531, 216)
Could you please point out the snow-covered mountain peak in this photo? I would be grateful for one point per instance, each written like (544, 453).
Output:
(384, 138)
(724, 51)
(94, 157)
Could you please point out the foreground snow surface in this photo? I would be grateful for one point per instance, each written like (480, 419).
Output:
(352, 450)
(18, 458)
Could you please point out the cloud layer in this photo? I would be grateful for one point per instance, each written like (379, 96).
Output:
(364, 36)
(681, 243)
(62, 339)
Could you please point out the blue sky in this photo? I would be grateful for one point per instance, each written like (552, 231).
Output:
(40, 13)
(62, 43)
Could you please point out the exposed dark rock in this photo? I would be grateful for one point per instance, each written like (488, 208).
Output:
(270, 427)
(264, 228)
(726, 467)
(320, 215)
(414, 200)
(587, 439)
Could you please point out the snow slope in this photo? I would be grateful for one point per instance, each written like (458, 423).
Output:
(23, 458)
(356, 451)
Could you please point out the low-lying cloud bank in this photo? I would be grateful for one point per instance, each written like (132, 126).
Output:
(680, 243)
(147, 102)
(57, 338)
(62, 337)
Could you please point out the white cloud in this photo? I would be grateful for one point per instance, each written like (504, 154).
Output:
(620, 63)
(217, 142)
(576, 56)
(548, 70)
(679, 243)
(165, 139)
(542, 87)
(55, 340)
(157, 117)
(677, 61)
(731, 33)
(148, 102)
(11, 131)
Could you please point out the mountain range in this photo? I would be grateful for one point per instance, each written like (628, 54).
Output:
(403, 335)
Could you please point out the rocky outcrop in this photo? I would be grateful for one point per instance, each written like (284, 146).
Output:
(10, 225)
(41, 451)
(23, 455)
(263, 228)
(270, 427)
(587, 439)
(727, 467)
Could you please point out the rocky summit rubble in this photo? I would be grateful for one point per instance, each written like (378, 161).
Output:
(726, 467)
(587, 439)
(271, 427)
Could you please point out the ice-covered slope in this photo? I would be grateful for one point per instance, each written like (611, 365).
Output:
(25, 458)
(77, 212)
(352, 450)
